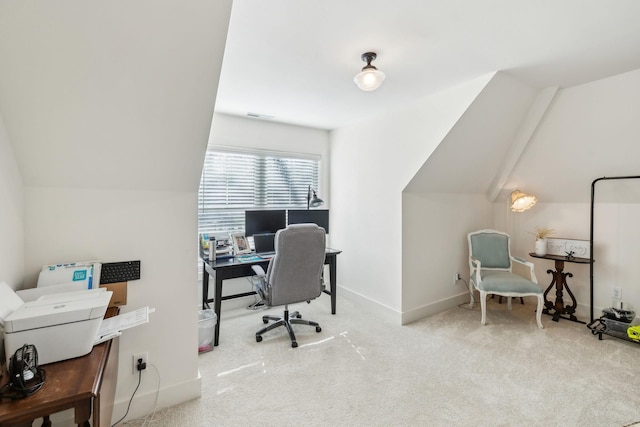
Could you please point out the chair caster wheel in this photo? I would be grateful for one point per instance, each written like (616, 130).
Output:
(294, 344)
(299, 316)
(265, 321)
(258, 338)
(318, 329)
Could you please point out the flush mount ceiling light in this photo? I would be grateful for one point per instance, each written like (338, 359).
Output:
(370, 78)
(520, 201)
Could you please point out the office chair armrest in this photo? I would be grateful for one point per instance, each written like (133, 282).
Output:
(258, 270)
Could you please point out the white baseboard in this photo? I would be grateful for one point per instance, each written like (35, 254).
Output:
(143, 405)
(361, 300)
(434, 308)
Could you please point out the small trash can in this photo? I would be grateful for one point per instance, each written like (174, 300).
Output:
(206, 323)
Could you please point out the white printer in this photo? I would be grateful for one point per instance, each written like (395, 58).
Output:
(60, 325)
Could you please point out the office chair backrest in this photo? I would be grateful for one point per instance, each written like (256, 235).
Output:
(295, 271)
(491, 248)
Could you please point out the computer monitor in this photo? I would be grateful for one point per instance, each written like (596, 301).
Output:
(264, 221)
(319, 217)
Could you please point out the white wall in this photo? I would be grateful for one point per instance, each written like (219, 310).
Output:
(450, 194)
(159, 229)
(434, 248)
(242, 132)
(11, 222)
(371, 163)
(590, 131)
(108, 109)
(11, 215)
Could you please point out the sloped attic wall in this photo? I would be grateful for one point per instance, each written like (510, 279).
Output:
(590, 131)
(371, 164)
(108, 107)
(447, 198)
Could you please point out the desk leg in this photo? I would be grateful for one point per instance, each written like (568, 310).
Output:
(217, 304)
(205, 286)
(83, 413)
(332, 283)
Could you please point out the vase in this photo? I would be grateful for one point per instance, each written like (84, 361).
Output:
(541, 247)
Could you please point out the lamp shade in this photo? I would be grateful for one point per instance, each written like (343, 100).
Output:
(369, 79)
(520, 201)
(313, 201)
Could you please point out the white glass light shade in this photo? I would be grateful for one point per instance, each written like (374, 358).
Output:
(520, 201)
(369, 79)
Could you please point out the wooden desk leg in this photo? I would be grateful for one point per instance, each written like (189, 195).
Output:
(332, 279)
(83, 413)
(46, 422)
(217, 304)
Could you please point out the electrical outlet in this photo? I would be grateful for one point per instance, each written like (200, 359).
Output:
(616, 293)
(456, 277)
(145, 359)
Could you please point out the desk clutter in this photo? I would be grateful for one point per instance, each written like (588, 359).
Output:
(25, 375)
(63, 316)
(212, 247)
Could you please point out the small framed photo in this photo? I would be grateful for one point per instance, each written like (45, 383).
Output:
(240, 244)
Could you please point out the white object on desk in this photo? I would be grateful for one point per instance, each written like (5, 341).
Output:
(61, 326)
(124, 321)
(84, 272)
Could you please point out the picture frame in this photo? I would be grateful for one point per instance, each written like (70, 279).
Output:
(562, 247)
(240, 244)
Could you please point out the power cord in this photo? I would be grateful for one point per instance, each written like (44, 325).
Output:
(141, 366)
(149, 418)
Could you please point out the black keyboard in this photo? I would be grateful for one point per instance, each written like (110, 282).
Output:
(113, 272)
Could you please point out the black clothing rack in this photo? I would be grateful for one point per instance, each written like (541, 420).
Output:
(593, 190)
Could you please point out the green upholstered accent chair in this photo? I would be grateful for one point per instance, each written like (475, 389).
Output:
(294, 275)
(490, 271)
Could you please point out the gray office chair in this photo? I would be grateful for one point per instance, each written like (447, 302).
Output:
(490, 271)
(294, 275)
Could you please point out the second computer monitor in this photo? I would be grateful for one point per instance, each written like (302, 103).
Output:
(315, 216)
(264, 221)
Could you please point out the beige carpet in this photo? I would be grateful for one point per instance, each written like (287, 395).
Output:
(445, 370)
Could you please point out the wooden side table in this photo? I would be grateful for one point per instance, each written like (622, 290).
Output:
(86, 384)
(559, 280)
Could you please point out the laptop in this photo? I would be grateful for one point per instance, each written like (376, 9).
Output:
(264, 244)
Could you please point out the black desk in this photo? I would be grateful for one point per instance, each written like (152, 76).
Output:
(231, 268)
(559, 280)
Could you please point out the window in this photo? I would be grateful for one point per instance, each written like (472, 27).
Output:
(235, 181)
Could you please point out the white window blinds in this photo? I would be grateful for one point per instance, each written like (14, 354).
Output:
(233, 182)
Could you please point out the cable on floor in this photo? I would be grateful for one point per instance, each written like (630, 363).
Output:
(129, 405)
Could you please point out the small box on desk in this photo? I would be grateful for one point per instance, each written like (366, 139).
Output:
(119, 296)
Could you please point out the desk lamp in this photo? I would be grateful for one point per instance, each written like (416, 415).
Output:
(312, 199)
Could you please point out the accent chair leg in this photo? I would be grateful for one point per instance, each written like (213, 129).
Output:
(471, 299)
(539, 312)
(483, 306)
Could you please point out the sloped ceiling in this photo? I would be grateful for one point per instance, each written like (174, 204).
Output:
(589, 131)
(115, 94)
(478, 143)
(295, 60)
(586, 132)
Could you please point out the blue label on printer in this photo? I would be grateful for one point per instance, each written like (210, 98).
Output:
(79, 275)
